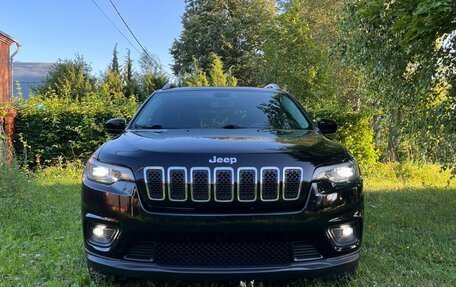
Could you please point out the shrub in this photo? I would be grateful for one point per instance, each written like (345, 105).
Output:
(355, 133)
(51, 129)
(12, 180)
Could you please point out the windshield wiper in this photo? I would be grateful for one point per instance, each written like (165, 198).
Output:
(232, 126)
(151, 127)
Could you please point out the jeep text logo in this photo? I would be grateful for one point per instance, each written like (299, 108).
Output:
(230, 160)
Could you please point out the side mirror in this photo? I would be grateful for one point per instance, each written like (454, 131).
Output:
(327, 126)
(115, 126)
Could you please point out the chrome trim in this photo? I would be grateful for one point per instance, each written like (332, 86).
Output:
(208, 183)
(261, 183)
(147, 185)
(238, 183)
(284, 183)
(232, 183)
(185, 182)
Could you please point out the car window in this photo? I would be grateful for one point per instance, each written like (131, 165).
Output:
(199, 109)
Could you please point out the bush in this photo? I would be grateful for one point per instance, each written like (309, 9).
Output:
(12, 180)
(51, 129)
(355, 133)
(383, 176)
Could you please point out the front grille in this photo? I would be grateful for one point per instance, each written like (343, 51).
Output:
(292, 186)
(155, 182)
(177, 183)
(222, 254)
(247, 184)
(224, 184)
(200, 184)
(269, 184)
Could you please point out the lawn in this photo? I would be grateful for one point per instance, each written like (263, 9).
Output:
(409, 239)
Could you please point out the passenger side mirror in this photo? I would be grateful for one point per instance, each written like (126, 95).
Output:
(115, 126)
(327, 126)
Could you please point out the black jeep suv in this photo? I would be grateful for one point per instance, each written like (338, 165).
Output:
(222, 183)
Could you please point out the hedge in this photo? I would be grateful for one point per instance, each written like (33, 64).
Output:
(55, 129)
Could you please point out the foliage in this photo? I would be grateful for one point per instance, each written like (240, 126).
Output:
(69, 79)
(355, 133)
(42, 235)
(129, 79)
(151, 77)
(231, 29)
(215, 76)
(403, 51)
(295, 61)
(12, 181)
(51, 129)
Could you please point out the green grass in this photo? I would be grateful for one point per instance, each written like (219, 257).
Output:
(409, 239)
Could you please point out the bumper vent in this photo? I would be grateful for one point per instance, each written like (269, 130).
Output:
(304, 251)
(218, 254)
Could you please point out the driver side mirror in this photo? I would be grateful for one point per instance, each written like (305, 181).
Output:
(115, 126)
(327, 126)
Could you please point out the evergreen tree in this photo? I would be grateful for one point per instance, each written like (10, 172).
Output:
(131, 87)
(151, 77)
(215, 75)
(115, 62)
(69, 79)
(232, 29)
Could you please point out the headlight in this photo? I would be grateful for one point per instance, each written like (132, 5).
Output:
(107, 173)
(338, 173)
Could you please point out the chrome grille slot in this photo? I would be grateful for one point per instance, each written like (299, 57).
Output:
(292, 179)
(169, 187)
(154, 178)
(224, 184)
(247, 184)
(177, 183)
(200, 184)
(270, 179)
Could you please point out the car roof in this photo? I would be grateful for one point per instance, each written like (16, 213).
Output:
(183, 89)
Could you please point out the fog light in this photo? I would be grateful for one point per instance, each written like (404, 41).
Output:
(345, 234)
(101, 234)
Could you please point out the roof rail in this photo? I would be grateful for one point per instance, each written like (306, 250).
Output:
(272, 86)
(169, 86)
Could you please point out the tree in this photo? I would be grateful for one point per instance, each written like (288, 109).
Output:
(294, 60)
(112, 86)
(115, 62)
(408, 72)
(70, 79)
(131, 87)
(215, 75)
(232, 29)
(151, 76)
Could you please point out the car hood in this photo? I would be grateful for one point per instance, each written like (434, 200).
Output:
(251, 147)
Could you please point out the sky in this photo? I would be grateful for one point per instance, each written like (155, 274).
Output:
(59, 29)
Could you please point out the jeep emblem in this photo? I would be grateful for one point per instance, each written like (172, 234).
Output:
(230, 160)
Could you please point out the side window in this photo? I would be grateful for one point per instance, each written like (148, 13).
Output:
(294, 112)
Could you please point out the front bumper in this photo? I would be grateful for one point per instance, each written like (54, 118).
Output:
(135, 224)
(311, 269)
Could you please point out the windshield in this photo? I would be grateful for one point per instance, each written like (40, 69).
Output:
(229, 109)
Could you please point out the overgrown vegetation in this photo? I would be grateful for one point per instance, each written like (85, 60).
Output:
(41, 236)
(385, 71)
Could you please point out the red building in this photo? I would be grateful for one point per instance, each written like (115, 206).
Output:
(5, 66)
